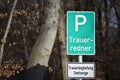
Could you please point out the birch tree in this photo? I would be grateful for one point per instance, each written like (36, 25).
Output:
(44, 44)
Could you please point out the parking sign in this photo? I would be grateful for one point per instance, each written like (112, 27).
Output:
(80, 33)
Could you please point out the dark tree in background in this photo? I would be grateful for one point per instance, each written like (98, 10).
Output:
(25, 28)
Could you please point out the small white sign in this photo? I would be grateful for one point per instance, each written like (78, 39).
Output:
(81, 70)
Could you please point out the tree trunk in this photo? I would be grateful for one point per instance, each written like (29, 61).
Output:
(62, 43)
(43, 46)
(0, 2)
(68, 5)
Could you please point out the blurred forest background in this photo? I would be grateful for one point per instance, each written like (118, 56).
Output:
(25, 26)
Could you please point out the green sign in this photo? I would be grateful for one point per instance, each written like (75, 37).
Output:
(80, 33)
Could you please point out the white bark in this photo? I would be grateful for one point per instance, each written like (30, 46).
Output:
(43, 46)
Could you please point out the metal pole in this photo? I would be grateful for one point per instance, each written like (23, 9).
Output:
(80, 60)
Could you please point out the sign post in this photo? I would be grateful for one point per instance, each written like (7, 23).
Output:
(80, 41)
(80, 60)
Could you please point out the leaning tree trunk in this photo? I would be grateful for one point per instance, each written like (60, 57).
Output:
(43, 46)
(62, 43)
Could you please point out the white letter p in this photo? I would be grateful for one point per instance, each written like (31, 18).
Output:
(79, 23)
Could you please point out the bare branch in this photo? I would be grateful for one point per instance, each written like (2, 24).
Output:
(6, 32)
